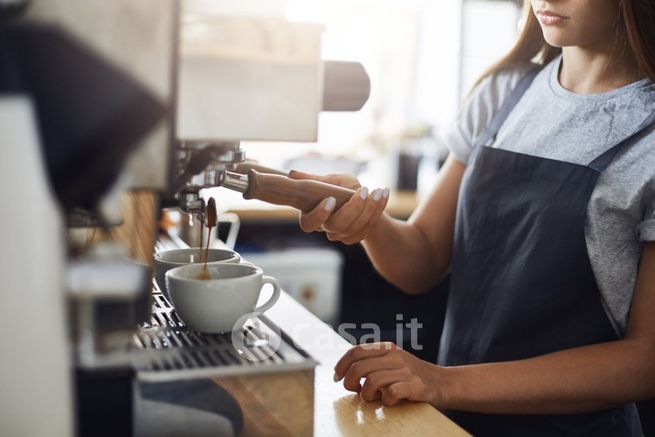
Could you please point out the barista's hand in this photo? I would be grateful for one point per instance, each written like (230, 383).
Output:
(352, 222)
(390, 373)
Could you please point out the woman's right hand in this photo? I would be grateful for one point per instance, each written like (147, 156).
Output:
(354, 220)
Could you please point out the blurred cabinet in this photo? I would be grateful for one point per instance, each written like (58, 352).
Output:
(312, 276)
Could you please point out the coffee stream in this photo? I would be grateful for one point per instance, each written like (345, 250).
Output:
(201, 219)
(210, 217)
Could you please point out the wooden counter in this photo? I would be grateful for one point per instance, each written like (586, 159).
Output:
(338, 412)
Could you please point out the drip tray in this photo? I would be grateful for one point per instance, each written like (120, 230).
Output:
(181, 353)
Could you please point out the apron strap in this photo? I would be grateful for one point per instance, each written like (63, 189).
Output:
(603, 161)
(489, 134)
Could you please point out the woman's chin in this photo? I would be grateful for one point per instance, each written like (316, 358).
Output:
(558, 39)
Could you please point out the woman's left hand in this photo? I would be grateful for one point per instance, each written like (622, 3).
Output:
(390, 373)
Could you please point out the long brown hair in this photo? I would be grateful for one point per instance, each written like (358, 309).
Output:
(636, 16)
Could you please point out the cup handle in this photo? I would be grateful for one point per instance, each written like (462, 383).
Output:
(274, 297)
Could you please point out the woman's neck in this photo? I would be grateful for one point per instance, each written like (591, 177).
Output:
(592, 70)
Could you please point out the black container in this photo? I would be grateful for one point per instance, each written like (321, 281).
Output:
(407, 171)
(104, 402)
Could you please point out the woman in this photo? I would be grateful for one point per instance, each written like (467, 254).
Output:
(544, 215)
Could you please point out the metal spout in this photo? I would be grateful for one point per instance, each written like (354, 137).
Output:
(237, 182)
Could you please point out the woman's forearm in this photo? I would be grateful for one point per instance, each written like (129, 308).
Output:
(403, 256)
(576, 380)
(415, 255)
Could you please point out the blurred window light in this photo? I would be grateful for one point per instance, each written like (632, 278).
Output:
(422, 57)
(489, 31)
(249, 8)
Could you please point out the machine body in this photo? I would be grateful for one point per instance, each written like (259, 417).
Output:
(162, 94)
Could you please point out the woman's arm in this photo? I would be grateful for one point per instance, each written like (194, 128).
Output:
(412, 255)
(570, 381)
(415, 255)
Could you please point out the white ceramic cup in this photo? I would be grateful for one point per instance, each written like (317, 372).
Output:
(217, 304)
(164, 261)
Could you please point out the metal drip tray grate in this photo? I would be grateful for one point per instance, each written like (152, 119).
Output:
(261, 348)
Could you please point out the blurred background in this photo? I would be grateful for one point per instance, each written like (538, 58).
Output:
(422, 57)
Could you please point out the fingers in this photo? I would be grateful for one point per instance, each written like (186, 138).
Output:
(321, 217)
(392, 395)
(390, 374)
(314, 220)
(362, 368)
(397, 391)
(376, 381)
(353, 221)
(374, 207)
(357, 353)
(341, 220)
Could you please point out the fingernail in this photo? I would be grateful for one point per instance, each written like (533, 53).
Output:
(330, 203)
(377, 194)
(336, 377)
(363, 193)
(385, 193)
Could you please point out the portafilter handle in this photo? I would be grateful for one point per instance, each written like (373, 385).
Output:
(246, 166)
(303, 194)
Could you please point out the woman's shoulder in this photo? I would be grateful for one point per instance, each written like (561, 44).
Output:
(480, 106)
(493, 88)
(489, 94)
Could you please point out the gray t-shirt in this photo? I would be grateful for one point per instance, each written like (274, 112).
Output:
(552, 122)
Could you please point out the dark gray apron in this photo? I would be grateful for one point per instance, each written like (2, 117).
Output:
(522, 284)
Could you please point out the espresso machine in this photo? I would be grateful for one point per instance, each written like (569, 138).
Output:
(109, 112)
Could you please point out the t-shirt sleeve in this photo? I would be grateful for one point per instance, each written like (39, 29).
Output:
(646, 229)
(478, 110)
